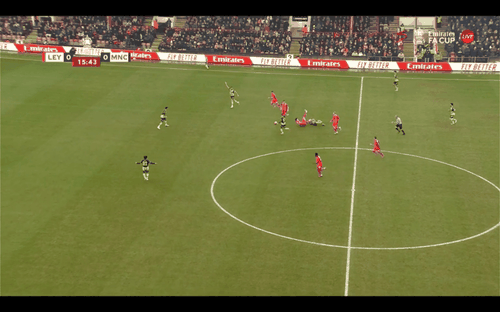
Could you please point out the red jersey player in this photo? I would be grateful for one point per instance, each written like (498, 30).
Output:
(274, 100)
(335, 123)
(284, 108)
(319, 165)
(376, 147)
(302, 122)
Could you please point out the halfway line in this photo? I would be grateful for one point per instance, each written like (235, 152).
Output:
(353, 189)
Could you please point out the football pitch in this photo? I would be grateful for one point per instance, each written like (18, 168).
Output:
(233, 207)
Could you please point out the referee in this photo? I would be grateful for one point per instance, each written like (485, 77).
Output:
(399, 125)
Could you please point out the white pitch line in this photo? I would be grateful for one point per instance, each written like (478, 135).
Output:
(353, 247)
(353, 190)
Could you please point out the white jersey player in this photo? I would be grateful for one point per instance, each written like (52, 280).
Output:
(232, 92)
(163, 118)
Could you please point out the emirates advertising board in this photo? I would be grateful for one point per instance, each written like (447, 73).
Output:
(60, 54)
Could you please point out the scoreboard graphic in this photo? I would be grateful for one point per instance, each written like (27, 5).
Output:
(86, 61)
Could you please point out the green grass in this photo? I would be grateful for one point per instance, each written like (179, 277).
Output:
(78, 218)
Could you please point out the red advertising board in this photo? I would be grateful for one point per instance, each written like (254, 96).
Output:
(421, 66)
(229, 60)
(330, 64)
(136, 55)
(37, 48)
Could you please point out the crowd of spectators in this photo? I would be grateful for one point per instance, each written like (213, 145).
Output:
(334, 44)
(339, 23)
(118, 32)
(328, 36)
(230, 34)
(15, 27)
(247, 23)
(385, 19)
(331, 36)
(486, 37)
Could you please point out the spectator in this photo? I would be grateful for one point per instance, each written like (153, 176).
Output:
(474, 52)
(485, 29)
(231, 34)
(438, 57)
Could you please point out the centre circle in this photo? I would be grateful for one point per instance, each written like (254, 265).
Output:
(344, 246)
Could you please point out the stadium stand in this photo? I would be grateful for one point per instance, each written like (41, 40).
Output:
(370, 37)
(15, 27)
(332, 36)
(230, 35)
(486, 38)
(130, 32)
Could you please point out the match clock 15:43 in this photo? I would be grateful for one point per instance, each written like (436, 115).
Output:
(86, 61)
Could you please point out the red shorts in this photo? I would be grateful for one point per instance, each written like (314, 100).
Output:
(376, 149)
(274, 101)
(301, 123)
(319, 167)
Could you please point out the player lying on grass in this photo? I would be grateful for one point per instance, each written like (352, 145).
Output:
(304, 121)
